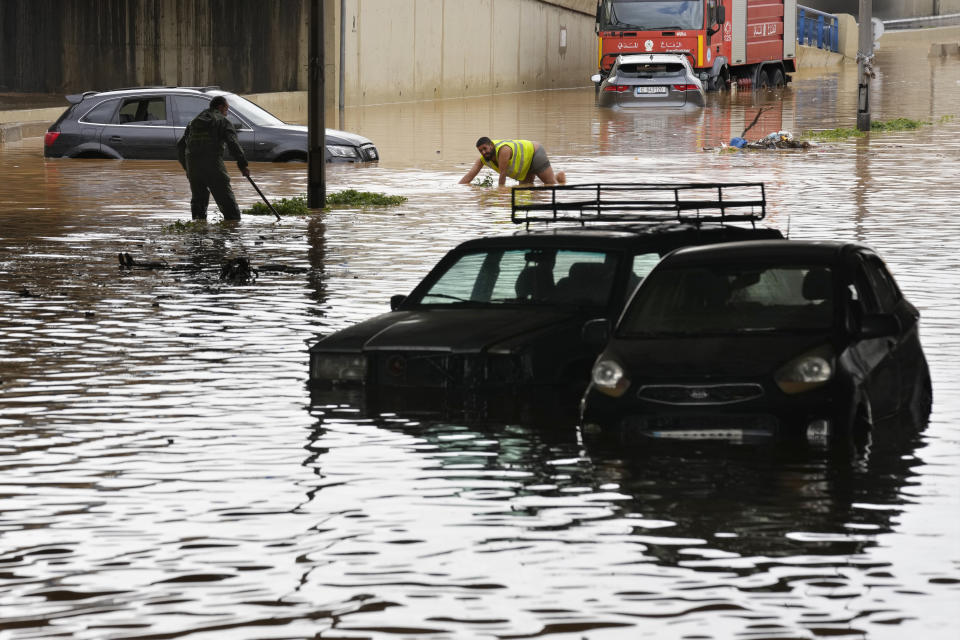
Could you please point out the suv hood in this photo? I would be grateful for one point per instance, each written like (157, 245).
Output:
(334, 136)
(444, 330)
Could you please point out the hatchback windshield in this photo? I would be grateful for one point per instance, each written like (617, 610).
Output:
(732, 299)
(526, 276)
(646, 15)
(253, 113)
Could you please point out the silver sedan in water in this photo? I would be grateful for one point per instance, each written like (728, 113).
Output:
(650, 80)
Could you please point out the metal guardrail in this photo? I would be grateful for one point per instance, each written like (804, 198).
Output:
(946, 20)
(816, 28)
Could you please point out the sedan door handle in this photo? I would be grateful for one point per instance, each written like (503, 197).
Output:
(116, 139)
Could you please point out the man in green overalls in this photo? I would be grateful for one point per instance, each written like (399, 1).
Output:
(200, 151)
(522, 160)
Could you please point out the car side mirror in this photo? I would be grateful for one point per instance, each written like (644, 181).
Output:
(397, 301)
(879, 325)
(596, 333)
(595, 78)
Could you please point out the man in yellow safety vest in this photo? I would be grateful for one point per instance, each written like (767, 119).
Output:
(522, 160)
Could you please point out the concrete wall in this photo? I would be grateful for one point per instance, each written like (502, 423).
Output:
(396, 50)
(61, 46)
(400, 50)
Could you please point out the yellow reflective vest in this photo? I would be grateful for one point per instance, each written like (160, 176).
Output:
(520, 160)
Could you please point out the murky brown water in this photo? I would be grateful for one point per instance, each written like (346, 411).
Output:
(164, 477)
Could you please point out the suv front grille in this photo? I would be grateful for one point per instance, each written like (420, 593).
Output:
(444, 370)
(700, 394)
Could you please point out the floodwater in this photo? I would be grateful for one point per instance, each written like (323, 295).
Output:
(164, 476)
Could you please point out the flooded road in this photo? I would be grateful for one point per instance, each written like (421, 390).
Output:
(164, 476)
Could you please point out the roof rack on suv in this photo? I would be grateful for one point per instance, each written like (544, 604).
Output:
(599, 203)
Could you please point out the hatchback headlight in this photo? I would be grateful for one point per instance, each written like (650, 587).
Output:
(339, 367)
(809, 371)
(609, 378)
(341, 151)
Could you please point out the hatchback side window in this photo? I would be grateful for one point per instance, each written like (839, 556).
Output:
(102, 113)
(144, 111)
(866, 296)
(188, 107)
(643, 263)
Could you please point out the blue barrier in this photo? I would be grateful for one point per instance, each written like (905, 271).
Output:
(816, 28)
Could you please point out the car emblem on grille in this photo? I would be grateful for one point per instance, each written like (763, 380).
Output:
(397, 365)
(699, 394)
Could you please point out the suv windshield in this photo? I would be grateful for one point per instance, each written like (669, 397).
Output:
(253, 113)
(725, 299)
(541, 276)
(646, 15)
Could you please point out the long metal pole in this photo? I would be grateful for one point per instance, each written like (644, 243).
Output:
(864, 64)
(316, 123)
(343, 55)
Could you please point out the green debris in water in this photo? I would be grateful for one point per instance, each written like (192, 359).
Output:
(947, 118)
(897, 124)
(485, 181)
(295, 206)
(835, 134)
(354, 198)
(192, 225)
(842, 133)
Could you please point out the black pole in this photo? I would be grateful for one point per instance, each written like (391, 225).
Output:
(316, 123)
(865, 64)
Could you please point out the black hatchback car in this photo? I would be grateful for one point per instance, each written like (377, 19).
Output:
(506, 312)
(145, 123)
(803, 341)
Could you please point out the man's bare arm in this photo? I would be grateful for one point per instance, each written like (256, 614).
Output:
(474, 170)
(503, 161)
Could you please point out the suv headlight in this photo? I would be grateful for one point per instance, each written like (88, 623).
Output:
(809, 371)
(339, 367)
(609, 378)
(341, 151)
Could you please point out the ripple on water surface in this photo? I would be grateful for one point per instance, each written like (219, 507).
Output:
(164, 475)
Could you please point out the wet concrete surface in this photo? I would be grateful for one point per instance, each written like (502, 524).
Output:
(164, 475)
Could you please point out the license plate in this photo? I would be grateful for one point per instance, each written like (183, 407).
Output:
(650, 91)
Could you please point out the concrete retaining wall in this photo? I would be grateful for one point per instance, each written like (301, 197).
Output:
(400, 50)
(888, 9)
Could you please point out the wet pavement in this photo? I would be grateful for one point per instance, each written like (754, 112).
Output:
(164, 476)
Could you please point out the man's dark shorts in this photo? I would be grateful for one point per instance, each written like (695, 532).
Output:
(539, 163)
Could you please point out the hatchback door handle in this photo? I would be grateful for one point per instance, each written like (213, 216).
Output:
(116, 139)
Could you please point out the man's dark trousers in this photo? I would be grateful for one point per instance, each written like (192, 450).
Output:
(206, 176)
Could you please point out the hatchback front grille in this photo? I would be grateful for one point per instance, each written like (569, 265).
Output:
(700, 394)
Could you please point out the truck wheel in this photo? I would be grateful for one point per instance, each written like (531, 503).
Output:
(777, 80)
(763, 80)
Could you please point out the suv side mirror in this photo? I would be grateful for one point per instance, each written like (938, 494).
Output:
(397, 301)
(596, 333)
(595, 78)
(879, 325)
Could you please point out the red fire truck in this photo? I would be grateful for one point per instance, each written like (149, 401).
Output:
(749, 42)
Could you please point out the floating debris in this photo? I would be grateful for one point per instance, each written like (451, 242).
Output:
(238, 270)
(127, 262)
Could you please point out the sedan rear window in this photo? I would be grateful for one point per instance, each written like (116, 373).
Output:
(651, 69)
(102, 113)
(526, 276)
(727, 299)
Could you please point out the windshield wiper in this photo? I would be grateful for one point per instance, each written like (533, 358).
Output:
(444, 296)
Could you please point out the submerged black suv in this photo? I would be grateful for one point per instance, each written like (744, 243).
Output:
(145, 123)
(776, 340)
(506, 312)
